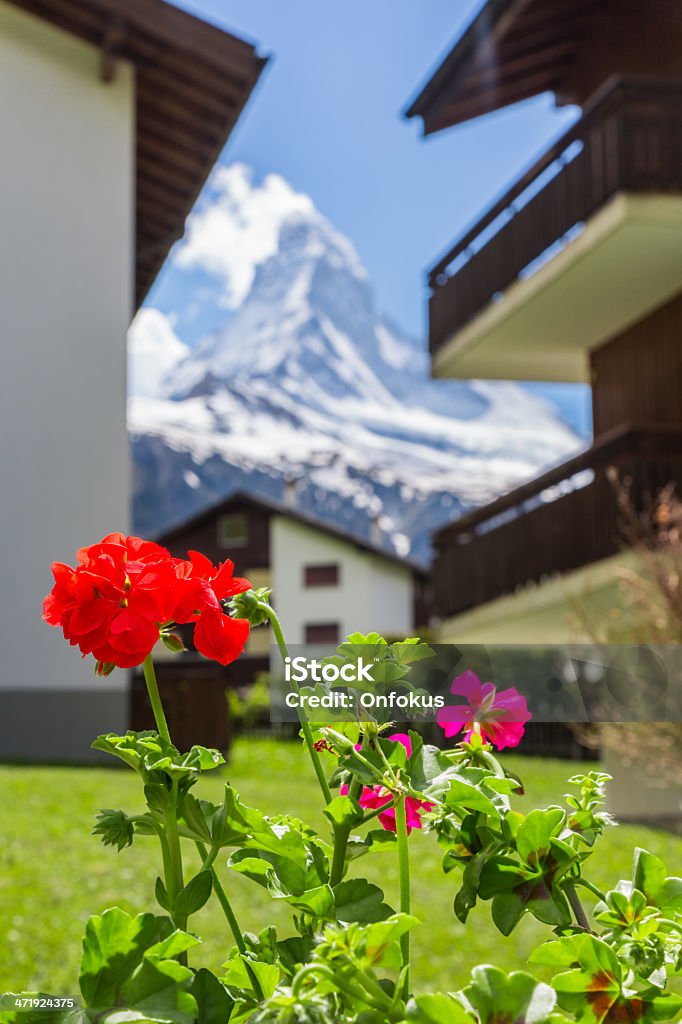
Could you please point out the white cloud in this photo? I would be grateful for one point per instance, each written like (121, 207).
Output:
(238, 226)
(153, 349)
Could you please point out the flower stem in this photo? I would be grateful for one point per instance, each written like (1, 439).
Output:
(155, 698)
(341, 837)
(404, 870)
(378, 810)
(307, 734)
(576, 905)
(341, 834)
(171, 847)
(230, 917)
(207, 865)
(174, 883)
(592, 888)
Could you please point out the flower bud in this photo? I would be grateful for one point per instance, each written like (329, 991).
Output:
(172, 642)
(249, 606)
(104, 668)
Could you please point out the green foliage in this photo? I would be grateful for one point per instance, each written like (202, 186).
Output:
(250, 707)
(345, 957)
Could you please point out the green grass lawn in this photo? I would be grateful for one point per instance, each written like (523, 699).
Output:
(54, 874)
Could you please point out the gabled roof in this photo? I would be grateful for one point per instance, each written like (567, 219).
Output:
(513, 49)
(281, 509)
(192, 82)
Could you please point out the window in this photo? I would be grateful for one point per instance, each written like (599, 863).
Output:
(233, 531)
(321, 575)
(322, 633)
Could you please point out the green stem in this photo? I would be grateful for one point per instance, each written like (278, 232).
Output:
(174, 882)
(230, 917)
(155, 698)
(341, 836)
(592, 888)
(404, 870)
(222, 898)
(307, 734)
(576, 905)
(170, 847)
(378, 810)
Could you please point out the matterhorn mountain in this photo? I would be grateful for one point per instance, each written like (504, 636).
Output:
(306, 383)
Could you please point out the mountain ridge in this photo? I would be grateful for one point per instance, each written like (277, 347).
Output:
(307, 380)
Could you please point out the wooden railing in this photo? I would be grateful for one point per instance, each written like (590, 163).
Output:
(628, 140)
(565, 519)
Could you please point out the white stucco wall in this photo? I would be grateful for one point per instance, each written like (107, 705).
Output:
(373, 593)
(66, 268)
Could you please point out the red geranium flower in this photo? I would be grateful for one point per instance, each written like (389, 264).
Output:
(500, 718)
(124, 590)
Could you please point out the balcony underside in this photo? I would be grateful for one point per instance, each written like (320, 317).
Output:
(624, 263)
(569, 518)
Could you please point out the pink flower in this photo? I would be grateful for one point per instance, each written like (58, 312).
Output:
(377, 796)
(499, 717)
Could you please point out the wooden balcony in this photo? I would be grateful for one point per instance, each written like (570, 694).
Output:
(563, 520)
(627, 143)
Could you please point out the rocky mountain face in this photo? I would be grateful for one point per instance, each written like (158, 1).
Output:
(308, 382)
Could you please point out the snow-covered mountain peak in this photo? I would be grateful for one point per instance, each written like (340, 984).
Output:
(303, 377)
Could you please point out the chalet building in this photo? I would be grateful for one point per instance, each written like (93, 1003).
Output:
(575, 274)
(112, 114)
(326, 583)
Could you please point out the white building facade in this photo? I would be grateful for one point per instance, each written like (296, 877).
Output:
(81, 234)
(326, 587)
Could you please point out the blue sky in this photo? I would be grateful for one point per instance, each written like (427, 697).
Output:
(327, 116)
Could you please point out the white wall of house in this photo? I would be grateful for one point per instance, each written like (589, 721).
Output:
(66, 270)
(373, 593)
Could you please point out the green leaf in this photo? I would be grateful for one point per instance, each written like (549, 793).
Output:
(228, 824)
(463, 794)
(156, 759)
(161, 895)
(239, 977)
(115, 828)
(213, 1001)
(497, 996)
(466, 898)
(437, 1008)
(535, 833)
(195, 894)
(129, 969)
(113, 947)
(378, 938)
(356, 899)
(410, 650)
(344, 811)
(650, 877)
(564, 952)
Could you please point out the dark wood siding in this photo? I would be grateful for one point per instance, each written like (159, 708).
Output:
(626, 37)
(637, 376)
(194, 699)
(203, 535)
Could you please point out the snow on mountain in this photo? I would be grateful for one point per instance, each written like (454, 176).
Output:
(306, 380)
